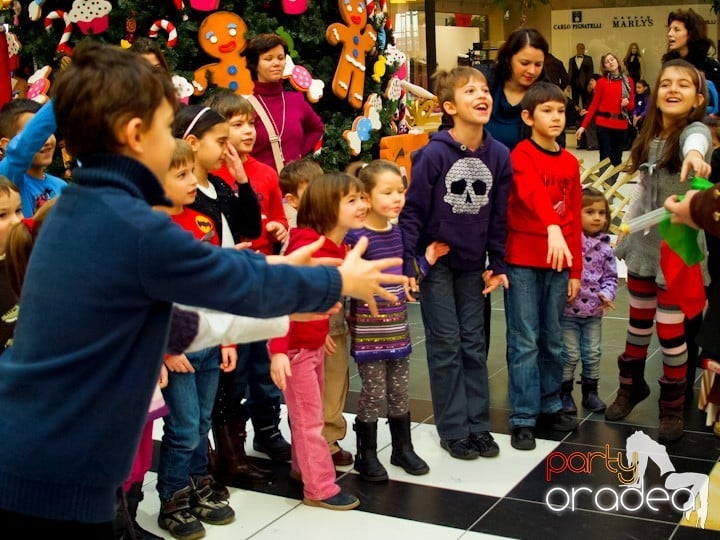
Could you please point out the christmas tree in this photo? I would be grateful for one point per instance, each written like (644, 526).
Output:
(128, 19)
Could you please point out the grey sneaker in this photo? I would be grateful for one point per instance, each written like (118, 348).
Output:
(176, 518)
(206, 505)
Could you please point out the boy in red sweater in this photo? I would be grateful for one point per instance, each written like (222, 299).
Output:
(544, 264)
(251, 378)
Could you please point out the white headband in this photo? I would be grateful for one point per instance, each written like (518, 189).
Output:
(194, 121)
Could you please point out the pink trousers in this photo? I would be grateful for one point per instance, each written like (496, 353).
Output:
(303, 396)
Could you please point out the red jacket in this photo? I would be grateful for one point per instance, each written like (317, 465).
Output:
(306, 335)
(265, 184)
(606, 104)
(546, 190)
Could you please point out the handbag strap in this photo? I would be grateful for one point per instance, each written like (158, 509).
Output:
(272, 135)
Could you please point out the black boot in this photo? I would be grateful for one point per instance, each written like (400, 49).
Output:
(134, 495)
(121, 523)
(366, 461)
(590, 398)
(268, 439)
(566, 398)
(672, 396)
(403, 454)
(232, 463)
(633, 388)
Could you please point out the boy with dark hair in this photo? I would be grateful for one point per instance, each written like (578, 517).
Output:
(27, 142)
(544, 264)
(76, 385)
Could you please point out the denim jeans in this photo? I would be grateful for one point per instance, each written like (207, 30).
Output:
(190, 398)
(582, 337)
(310, 452)
(452, 309)
(533, 310)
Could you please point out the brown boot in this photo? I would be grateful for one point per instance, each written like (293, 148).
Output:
(232, 462)
(633, 388)
(672, 397)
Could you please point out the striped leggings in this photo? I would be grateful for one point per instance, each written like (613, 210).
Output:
(649, 303)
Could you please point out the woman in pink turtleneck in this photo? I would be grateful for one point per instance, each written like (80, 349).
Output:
(299, 127)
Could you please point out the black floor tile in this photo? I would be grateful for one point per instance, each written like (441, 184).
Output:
(693, 444)
(533, 521)
(418, 503)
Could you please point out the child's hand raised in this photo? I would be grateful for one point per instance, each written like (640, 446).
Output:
(558, 249)
(364, 279)
(234, 164)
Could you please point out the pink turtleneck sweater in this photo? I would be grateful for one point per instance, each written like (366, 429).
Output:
(299, 127)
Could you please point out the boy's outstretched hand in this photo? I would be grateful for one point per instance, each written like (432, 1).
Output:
(363, 279)
(304, 256)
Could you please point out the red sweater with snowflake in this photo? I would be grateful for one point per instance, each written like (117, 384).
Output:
(545, 191)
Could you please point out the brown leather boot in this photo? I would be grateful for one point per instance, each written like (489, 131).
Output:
(672, 397)
(633, 388)
(233, 463)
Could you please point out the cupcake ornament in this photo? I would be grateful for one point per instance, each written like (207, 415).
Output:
(91, 16)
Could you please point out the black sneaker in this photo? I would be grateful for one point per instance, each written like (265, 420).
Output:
(176, 518)
(523, 438)
(559, 421)
(460, 448)
(341, 501)
(485, 444)
(206, 506)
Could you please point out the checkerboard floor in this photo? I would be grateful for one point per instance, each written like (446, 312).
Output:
(501, 497)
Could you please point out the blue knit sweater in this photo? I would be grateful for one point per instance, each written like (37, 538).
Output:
(75, 387)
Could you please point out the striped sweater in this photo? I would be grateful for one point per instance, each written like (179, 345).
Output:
(385, 336)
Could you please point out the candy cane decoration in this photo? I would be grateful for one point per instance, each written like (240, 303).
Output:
(59, 14)
(168, 27)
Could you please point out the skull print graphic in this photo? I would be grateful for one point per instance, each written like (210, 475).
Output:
(468, 184)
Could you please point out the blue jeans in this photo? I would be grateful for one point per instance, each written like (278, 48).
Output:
(190, 398)
(452, 308)
(582, 337)
(533, 309)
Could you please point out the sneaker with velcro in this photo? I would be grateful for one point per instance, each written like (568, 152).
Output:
(176, 518)
(205, 503)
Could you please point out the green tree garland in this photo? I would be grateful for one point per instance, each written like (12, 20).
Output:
(307, 32)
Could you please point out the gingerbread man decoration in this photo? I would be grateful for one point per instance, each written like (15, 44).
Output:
(222, 36)
(357, 38)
